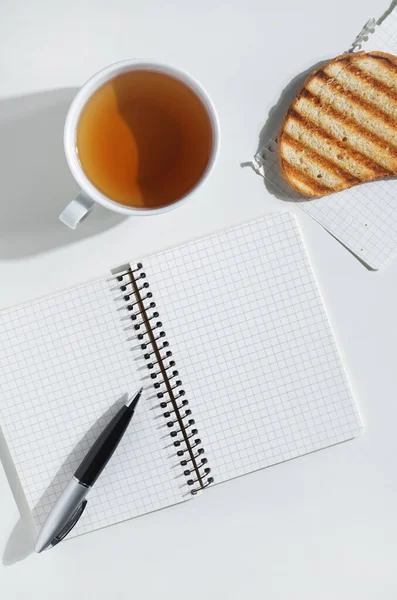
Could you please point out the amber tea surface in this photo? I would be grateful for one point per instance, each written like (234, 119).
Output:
(144, 139)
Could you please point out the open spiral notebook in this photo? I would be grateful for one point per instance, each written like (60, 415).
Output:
(229, 337)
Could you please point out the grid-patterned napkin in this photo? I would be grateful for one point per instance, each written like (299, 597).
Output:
(364, 218)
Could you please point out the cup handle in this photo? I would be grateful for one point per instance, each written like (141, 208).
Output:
(77, 210)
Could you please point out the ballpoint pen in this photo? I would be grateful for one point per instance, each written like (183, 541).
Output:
(71, 504)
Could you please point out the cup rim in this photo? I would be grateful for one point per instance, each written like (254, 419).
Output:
(87, 90)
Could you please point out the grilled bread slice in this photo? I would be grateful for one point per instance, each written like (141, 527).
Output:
(341, 129)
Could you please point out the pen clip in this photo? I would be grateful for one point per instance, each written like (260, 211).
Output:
(69, 525)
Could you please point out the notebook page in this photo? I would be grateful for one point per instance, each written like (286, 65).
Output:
(253, 346)
(363, 218)
(66, 366)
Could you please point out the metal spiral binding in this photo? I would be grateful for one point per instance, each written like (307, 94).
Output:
(165, 377)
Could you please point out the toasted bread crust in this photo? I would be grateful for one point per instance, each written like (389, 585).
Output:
(341, 129)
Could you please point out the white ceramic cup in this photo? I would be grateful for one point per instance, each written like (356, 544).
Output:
(82, 205)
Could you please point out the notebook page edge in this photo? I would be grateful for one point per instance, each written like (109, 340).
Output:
(335, 335)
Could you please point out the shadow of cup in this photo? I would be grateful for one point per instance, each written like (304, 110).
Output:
(35, 180)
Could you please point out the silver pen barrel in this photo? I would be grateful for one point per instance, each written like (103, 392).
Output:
(63, 511)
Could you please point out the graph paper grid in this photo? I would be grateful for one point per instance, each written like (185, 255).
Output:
(66, 367)
(253, 346)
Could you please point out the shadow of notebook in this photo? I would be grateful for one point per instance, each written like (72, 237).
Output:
(230, 339)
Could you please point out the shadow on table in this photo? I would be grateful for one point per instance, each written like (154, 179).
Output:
(22, 540)
(35, 181)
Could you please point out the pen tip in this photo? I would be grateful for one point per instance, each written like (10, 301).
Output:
(134, 401)
(40, 547)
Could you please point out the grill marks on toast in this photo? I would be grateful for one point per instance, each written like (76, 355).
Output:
(351, 135)
(378, 66)
(359, 110)
(321, 166)
(341, 129)
(332, 148)
(304, 183)
(367, 88)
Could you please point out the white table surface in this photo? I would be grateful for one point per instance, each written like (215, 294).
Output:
(323, 526)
